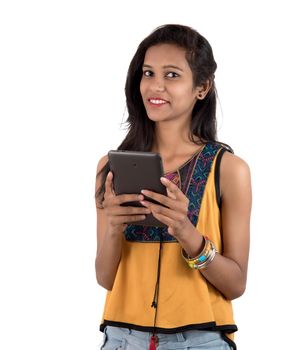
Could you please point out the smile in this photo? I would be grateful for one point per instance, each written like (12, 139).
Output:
(157, 102)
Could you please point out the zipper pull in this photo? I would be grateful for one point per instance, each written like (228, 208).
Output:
(153, 342)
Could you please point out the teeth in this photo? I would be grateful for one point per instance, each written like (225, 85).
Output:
(157, 102)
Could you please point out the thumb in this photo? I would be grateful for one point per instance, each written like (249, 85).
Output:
(109, 183)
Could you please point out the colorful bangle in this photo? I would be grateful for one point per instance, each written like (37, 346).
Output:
(204, 258)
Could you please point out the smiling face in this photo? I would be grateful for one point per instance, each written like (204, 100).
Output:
(167, 84)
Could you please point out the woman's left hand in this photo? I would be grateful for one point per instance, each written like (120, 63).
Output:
(176, 215)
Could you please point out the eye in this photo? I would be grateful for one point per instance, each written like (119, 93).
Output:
(172, 75)
(147, 73)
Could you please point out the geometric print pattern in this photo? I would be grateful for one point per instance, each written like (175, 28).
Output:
(199, 179)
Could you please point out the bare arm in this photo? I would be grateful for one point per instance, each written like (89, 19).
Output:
(228, 272)
(111, 219)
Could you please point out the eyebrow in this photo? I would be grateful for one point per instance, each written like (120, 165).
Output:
(167, 66)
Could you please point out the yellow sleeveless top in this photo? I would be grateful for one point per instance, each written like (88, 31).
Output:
(185, 300)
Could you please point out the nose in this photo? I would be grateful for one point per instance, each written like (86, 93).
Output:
(158, 84)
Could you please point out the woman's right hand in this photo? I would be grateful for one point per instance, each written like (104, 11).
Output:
(119, 216)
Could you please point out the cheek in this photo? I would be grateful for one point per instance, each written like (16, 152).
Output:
(183, 94)
(142, 87)
(186, 100)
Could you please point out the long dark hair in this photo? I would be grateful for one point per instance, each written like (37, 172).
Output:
(141, 129)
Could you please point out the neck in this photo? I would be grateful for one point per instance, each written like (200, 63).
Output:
(171, 139)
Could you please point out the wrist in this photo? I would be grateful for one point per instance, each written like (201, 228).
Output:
(115, 232)
(205, 257)
(194, 249)
(184, 231)
(191, 240)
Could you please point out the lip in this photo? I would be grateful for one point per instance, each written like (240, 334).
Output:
(157, 99)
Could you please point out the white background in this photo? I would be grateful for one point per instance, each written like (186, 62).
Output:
(63, 66)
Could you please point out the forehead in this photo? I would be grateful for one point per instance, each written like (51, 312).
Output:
(165, 54)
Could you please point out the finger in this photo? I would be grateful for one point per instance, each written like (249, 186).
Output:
(124, 198)
(109, 184)
(116, 201)
(163, 218)
(170, 194)
(117, 220)
(169, 202)
(174, 215)
(173, 188)
(120, 211)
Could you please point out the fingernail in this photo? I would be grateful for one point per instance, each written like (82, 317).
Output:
(164, 179)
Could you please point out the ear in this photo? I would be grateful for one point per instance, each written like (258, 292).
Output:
(202, 90)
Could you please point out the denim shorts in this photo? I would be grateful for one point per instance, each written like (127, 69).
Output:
(127, 339)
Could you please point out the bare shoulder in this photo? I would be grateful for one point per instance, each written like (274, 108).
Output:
(234, 165)
(98, 180)
(234, 173)
(101, 163)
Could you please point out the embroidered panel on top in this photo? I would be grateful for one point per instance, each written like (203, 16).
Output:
(191, 179)
(199, 179)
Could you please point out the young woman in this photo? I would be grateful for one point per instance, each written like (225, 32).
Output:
(171, 288)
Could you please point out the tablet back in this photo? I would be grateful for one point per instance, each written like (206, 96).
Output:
(134, 171)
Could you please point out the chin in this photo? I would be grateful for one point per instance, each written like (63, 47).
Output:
(157, 117)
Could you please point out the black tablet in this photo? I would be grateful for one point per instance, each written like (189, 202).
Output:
(134, 171)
